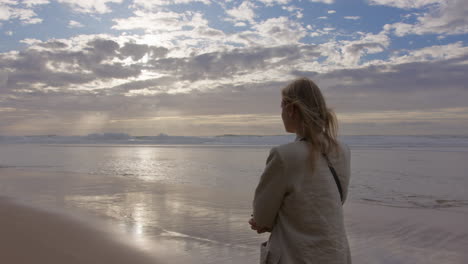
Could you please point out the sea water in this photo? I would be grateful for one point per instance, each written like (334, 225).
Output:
(196, 197)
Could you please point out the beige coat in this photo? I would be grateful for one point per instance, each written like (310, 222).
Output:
(303, 208)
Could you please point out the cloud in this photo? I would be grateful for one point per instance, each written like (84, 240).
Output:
(379, 93)
(9, 10)
(244, 12)
(382, 95)
(432, 53)
(52, 44)
(8, 2)
(56, 66)
(297, 11)
(405, 4)
(190, 32)
(404, 87)
(352, 17)
(184, 33)
(155, 4)
(90, 6)
(272, 32)
(445, 17)
(323, 1)
(240, 24)
(31, 3)
(137, 51)
(160, 21)
(53, 65)
(274, 2)
(236, 62)
(348, 53)
(184, 71)
(3, 79)
(152, 86)
(331, 11)
(75, 24)
(292, 8)
(416, 78)
(30, 41)
(4, 13)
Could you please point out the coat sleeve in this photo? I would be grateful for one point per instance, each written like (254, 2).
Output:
(270, 191)
(347, 171)
(344, 169)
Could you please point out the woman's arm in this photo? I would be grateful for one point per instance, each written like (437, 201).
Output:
(270, 192)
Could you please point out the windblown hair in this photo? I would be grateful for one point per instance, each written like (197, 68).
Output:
(319, 122)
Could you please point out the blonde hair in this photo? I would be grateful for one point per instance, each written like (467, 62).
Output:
(319, 122)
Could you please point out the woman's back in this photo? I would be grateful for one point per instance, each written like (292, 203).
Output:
(308, 227)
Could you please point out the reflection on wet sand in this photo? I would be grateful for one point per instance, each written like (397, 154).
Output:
(205, 228)
(187, 219)
(29, 235)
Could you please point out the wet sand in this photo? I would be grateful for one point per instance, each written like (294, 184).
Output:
(29, 235)
(177, 223)
(379, 235)
(396, 235)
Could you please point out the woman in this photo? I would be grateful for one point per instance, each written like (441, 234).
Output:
(298, 199)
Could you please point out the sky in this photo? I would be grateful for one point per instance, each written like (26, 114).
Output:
(205, 67)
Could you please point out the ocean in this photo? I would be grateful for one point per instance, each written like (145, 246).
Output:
(407, 200)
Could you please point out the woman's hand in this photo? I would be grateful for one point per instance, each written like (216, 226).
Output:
(260, 230)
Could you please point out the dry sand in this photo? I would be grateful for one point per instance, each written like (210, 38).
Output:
(28, 235)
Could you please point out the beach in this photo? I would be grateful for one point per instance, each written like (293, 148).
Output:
(29, 235)
(191, 204)
(382, 235)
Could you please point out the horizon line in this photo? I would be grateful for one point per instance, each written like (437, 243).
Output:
(221, 135)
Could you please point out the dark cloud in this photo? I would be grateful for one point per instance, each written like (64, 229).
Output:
(116, 70)
(29, 68)
(58, 67)
(217, 65)
(263, 98)
(356, 50)
(53, 45)
(46, 78)
(153, 84)
(102, 49)
(308, 74)
(408, 86)
(157, 52)
(406, 77)
(405, 86)
(209, 32)
(137, 51)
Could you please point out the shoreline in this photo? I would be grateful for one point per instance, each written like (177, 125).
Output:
(397, 235)
(31, 235)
